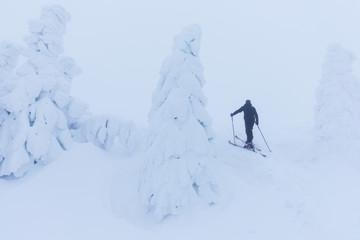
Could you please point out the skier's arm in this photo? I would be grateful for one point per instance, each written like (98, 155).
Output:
(256, 117)
(237, 111)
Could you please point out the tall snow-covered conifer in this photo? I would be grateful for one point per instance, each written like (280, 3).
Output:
(337, 111)
(180, 141)
(35, 129)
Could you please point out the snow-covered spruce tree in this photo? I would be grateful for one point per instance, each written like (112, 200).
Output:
(337, 111)
(180, 142)
(36, 130)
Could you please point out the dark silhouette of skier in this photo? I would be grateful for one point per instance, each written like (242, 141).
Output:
(250, 117)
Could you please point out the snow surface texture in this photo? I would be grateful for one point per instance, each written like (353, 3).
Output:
(337, 112)
(180, 140)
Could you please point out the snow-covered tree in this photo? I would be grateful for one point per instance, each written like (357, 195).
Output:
(337, 111)
(36, 130)
(105, 130)
(176, 173)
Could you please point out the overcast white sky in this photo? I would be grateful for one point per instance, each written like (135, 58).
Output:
(268, 51)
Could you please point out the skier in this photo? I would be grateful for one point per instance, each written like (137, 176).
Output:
(250, 117)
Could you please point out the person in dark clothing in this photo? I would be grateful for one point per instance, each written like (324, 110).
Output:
(250, 117)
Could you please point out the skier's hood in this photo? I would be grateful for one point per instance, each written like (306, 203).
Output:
(248, 103)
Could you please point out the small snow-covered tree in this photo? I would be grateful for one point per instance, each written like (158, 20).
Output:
(180, 143)
(337, 111)
(36, 129)
(103, 131)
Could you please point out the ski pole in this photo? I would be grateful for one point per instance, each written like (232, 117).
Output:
(263, 138)
(232, 120)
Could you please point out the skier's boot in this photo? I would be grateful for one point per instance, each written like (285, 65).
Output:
(249, 145)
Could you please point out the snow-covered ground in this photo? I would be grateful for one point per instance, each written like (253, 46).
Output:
(91, 194)
(169, 173)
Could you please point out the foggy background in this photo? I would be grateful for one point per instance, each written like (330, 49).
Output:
(268, 51)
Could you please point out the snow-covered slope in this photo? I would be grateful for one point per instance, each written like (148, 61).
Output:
(307, 188)
(91, 194)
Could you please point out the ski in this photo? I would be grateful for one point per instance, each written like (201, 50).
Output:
(258, 149)
(253, 150)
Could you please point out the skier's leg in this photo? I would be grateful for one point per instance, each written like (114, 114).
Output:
(246, 131)
(249, 132)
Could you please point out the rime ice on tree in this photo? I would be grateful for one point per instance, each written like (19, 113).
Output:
(175, 174)
(104, 130)
(337, 111)
(35, 129)
(9, 55)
